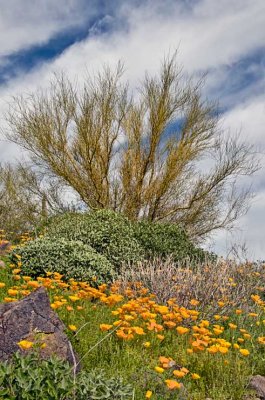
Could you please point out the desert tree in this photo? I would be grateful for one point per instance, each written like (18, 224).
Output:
(26, 198)
(156, 153)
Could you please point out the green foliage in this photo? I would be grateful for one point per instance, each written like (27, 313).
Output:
(73, 259)
(96, 385)
(121, 240)
(83, 246)
(109, 233)
(164, 239)
(29, 378)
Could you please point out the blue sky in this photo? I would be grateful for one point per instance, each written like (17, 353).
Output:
(223, 38)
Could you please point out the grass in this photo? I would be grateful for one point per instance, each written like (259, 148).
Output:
(210, 349)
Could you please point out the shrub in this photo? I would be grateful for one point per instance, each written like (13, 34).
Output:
(29, 378)
(95, 385)
(166, 239)
(109, 233)
(208, 283)
(73, 259)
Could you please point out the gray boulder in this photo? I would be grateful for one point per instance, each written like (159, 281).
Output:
(32, 319)
(257, 383)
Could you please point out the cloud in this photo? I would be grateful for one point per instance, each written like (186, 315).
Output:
(236, 83)
(209, 35)
(35, 22)
(248, 233)
(249, 118)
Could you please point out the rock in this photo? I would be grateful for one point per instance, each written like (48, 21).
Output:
(4, 246)
(251, 397)
(33, 319)
(257, 383)
(2, 264)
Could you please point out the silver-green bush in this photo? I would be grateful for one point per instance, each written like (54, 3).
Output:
(73, 259)
(167, 239)
(29, 378)
(109, 233)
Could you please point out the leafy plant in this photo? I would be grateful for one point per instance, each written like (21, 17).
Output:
(73, 259)
(29, 377)
(95, 385)
(121, 240)
(167, 239)
(109, 233)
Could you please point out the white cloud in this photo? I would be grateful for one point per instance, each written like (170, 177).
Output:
(249, 117)
(249, 233)
(210, 35)
(31, 22)
(207, 38)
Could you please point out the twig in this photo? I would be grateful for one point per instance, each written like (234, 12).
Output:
(81, 328)
(101, 340)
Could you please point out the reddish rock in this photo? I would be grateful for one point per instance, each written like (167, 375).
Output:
(4, 246)
(33, 319)
(257, 383)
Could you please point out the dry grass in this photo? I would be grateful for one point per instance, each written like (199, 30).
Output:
(210, 283)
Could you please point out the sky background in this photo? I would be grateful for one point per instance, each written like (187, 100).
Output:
(223, 38)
